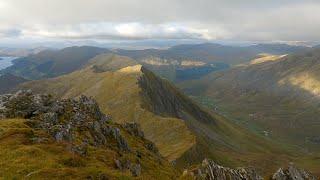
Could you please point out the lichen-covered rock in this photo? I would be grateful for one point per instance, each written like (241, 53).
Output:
(125, 164)
(78, 126)
(135, 169)
(152, 147)
(209, 170)
(122, 143)
(78, 121)
(292, 173)
(134, 129)
(23, 104)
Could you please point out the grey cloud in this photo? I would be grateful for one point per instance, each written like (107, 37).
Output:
(9, 33)
(287, 20)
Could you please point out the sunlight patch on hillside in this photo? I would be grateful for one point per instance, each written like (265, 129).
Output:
(192, 63)
(304, 81)
(131, 69)
(266, 58)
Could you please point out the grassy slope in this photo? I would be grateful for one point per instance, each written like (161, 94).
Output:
(20, 158)
(279, 97)
(117, 93)
(217, 137)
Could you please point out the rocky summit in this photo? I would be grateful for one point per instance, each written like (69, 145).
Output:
(64, 119)
(292, 173)
(80, 126)
(209, 170)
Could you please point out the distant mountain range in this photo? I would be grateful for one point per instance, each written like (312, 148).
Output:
(213, 52)
(211, 57)
(51, 63)
(184, 131)
(20, 52)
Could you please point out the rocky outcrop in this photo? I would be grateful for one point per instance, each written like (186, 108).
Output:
(292, 173)
(125, 164)
(134, 129)
(77, 121)
(209, 170)
(80, 126)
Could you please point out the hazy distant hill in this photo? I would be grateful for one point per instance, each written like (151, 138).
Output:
(51, 63)
(213, 57)
(205, 58)
(210, 53)
(278, 49)
(9, 81)
(20, 52)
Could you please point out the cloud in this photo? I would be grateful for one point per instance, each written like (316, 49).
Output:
(245, 20)
(122, 31)
(10, 33)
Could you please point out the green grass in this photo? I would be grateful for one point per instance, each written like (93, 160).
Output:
(273, 153)
(20, 158)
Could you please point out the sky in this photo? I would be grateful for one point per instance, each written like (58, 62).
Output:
(116, 21)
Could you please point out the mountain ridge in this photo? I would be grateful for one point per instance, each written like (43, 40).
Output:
(183, 141)
(102, 84)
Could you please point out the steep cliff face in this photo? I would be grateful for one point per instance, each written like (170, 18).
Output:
(217, 137)
(162, 98)
(71, 138)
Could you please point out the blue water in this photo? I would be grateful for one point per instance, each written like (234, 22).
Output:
(6, 62)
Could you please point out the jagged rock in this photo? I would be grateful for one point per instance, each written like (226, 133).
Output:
(152, 147)
(292, 173)
(134, 129)
(122, 143)
(80, 126)
(23, 104)
(135, 169)
(209, 170)
(125, 164)
(64, 120)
